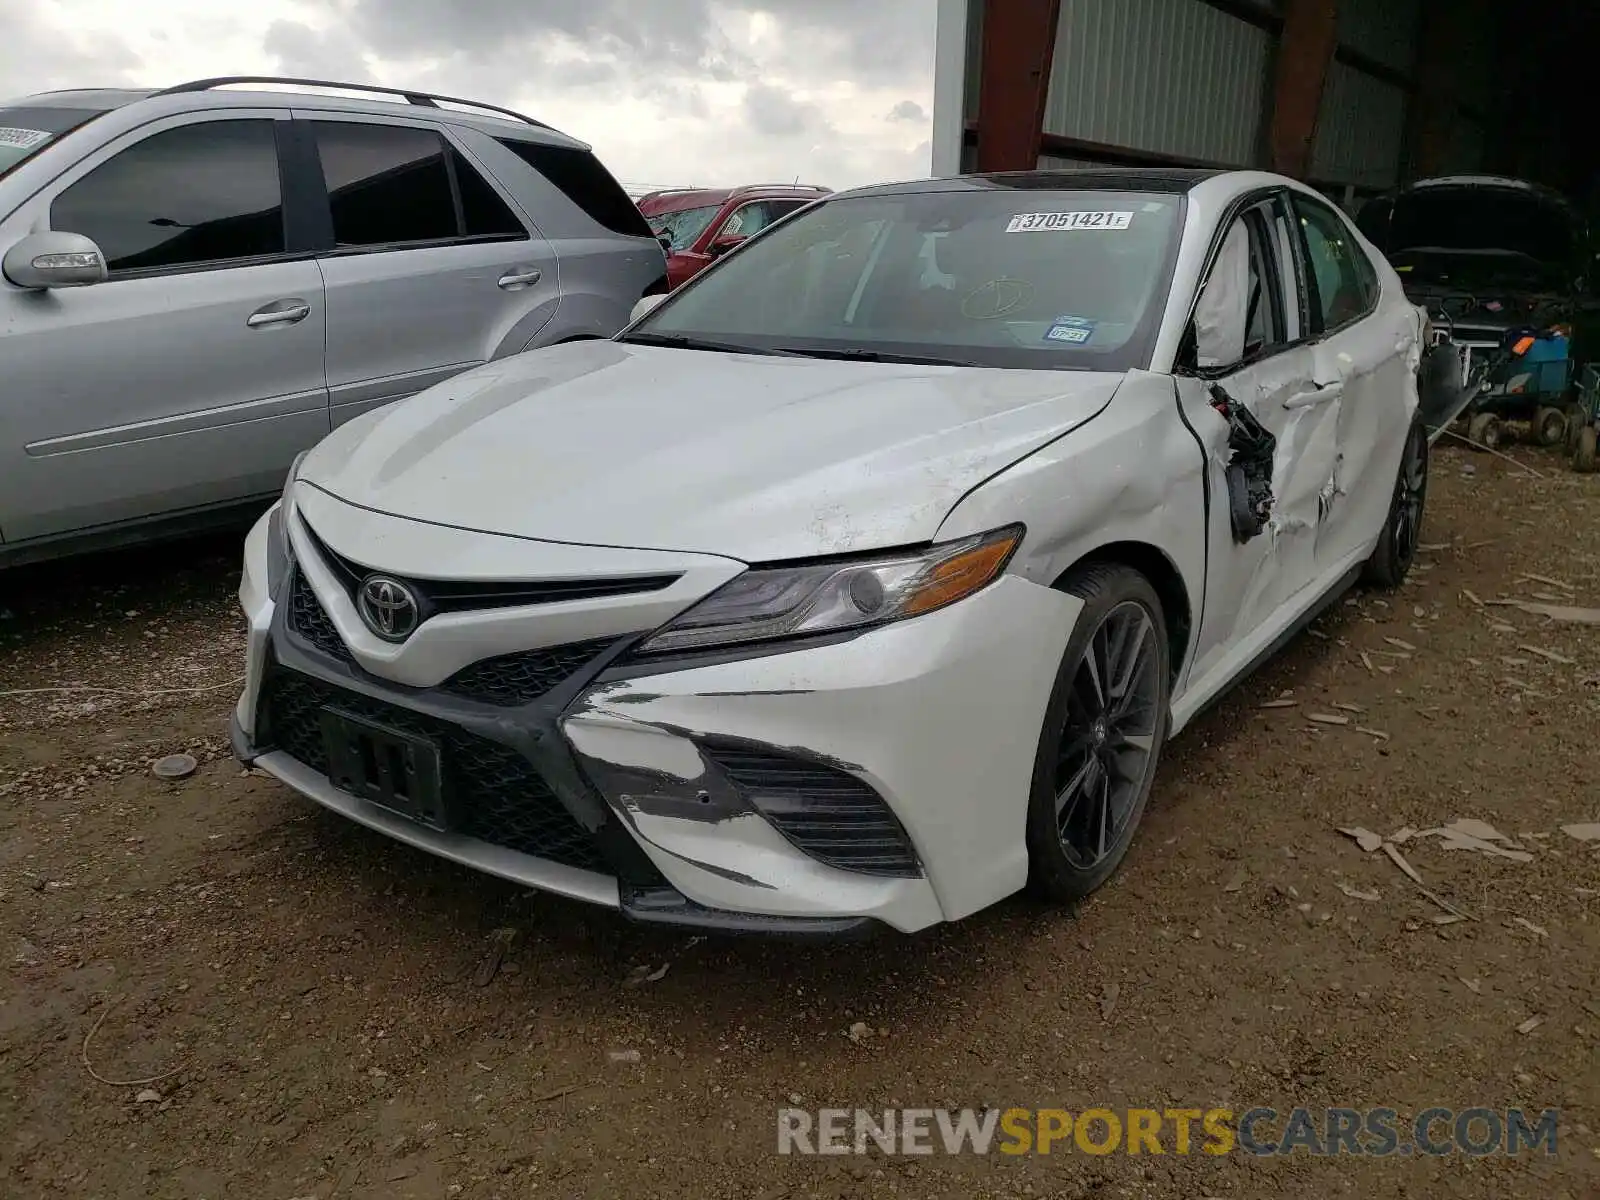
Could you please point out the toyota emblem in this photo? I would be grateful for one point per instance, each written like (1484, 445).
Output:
(388, 607)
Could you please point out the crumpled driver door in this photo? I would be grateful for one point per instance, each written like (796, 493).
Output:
(1255, 564)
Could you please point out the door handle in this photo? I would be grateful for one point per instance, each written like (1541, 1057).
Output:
(279, 312)
(1317, 395)
(519, 277)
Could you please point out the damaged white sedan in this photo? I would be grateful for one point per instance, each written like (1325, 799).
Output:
(863, 579)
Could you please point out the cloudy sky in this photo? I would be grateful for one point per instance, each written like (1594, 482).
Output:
(668, 91)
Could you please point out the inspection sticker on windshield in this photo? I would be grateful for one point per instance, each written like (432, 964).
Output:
(1060, 222)
(23, 139)
(1074, 331)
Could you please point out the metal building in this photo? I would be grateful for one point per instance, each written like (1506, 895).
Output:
(1354, 96)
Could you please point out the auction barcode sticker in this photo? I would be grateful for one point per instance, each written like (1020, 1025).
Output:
(23, 139)
(1061, 221)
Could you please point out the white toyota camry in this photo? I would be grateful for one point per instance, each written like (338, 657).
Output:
(863, 579)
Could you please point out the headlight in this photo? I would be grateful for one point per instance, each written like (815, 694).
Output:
(280, 554)
(816, 598)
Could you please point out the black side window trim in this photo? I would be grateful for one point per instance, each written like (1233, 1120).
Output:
(291, 252)
(323, 244)
(1296, 199)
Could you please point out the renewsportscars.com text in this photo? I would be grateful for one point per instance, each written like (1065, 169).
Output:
(1372, 1132)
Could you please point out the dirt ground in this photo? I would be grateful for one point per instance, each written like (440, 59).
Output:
(325, 1018)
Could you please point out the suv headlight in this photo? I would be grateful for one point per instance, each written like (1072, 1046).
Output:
(777, 603)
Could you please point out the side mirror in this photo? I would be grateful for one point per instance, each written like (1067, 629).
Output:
(723, 244)
(666, 242)
(644, 305)
(54, 260)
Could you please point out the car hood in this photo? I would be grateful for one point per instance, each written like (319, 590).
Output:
(759, 458)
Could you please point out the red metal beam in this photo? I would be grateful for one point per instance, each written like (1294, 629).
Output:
(1310, 37)
(1019, 42)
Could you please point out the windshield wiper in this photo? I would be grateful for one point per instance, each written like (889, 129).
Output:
(883, 356)
(678, 341)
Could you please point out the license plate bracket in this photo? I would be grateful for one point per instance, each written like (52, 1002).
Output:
(387, 767)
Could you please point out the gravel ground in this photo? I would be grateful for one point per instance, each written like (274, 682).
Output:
(209, 988)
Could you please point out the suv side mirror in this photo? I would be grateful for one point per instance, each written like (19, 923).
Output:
(54, 260)
(722, 245)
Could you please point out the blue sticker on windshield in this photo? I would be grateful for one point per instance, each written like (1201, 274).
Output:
(1071, 331)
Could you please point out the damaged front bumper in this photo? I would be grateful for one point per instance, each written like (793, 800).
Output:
(881, 779)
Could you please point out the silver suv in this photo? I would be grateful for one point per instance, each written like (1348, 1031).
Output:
(263, 265)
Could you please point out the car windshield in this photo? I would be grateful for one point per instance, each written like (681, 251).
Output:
(685, 225)
(25, 130)
(1001, 277)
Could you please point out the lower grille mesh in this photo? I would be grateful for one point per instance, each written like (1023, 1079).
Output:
(310, 620)
(828, 813)
(494, 794)
(515, 679)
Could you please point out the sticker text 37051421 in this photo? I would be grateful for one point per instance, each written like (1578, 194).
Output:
(1062, 222)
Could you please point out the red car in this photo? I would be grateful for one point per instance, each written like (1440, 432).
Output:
(696, 225)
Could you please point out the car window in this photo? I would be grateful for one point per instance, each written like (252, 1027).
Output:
(748, 220)
(483, 213)
(197, 194)
(685, 226)
(583, 179)
(387, 184)
(1047, 279)
(1344, 284)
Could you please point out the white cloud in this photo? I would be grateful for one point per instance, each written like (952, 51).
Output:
(668, 91)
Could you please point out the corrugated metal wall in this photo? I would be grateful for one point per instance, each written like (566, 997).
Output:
(1361, 130)
(1192, 81)
(1174, 77)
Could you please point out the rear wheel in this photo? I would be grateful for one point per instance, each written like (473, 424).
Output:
(1102, 735)
(1549, 426)
(1402, 530)
(1583, 456)
(1577, 418)
(1487, 430)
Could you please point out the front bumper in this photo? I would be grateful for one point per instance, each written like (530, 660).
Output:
(931, 724)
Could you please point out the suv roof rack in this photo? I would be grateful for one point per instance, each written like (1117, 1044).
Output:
(810, 189)
(411, 96)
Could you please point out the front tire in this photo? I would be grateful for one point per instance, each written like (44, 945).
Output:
(1104, 726)
(1402, 529)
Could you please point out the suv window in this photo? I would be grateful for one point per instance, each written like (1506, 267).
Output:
(197, 194)
(584, 181)
(1344, 283)
(394, 185)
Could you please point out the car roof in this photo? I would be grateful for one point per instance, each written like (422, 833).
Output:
(673, 200)
(1131, 179)
(259, 91)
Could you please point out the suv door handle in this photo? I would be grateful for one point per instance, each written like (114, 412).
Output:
(519, 277)
(279, 312)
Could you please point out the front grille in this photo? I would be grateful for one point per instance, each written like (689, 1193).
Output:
(492, 792)
(449, 595)
(828, 813)
(515, 679)
(310, 620)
